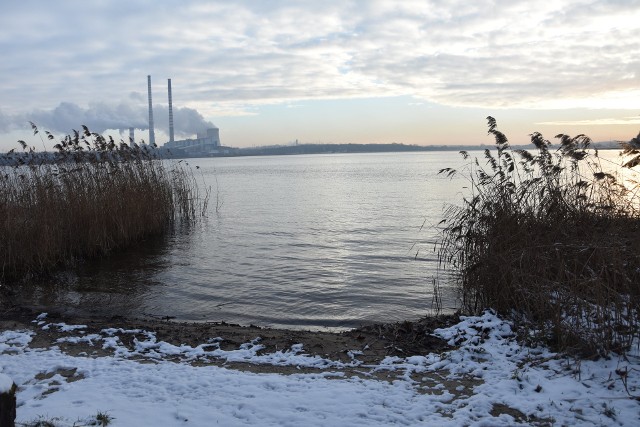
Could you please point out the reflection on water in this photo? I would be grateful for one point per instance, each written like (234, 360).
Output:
(302, 241)
(113, 285)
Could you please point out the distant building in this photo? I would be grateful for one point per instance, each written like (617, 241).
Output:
(206, 143)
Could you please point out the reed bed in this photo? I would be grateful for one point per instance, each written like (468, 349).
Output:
(89, 197)
(551, 239)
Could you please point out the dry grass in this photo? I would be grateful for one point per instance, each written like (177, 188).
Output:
(551, 240)
(86, 199)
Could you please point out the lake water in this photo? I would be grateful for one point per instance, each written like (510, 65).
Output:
(318, 241)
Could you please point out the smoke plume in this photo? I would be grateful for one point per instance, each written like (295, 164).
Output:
(186, 121)
(99, 117)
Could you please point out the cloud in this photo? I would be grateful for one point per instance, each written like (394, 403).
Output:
(616, 121)
(225, 58)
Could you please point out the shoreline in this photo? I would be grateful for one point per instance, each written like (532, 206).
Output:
(373, 343)
(473, 371)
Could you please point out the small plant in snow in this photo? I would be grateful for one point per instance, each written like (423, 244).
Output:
(103, 419)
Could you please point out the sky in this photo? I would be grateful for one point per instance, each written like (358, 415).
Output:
(424, 72)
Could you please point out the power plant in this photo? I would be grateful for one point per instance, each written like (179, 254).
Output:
(207, 141)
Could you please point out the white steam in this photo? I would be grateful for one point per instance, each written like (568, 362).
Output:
(99, 117)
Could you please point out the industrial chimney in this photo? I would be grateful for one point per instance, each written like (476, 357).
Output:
(170, 114)
(152, 136)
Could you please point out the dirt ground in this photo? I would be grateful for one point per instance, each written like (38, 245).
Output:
(374, 341)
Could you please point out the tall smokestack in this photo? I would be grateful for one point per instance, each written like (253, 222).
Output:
(131, 137)
(152, 135)
(170, 114)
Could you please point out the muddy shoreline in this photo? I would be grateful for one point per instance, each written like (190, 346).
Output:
(375, 342)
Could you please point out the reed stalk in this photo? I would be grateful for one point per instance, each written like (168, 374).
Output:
(551, 239)
(89, 197)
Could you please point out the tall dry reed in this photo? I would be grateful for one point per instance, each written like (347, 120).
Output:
(87, 198)
(551, 239)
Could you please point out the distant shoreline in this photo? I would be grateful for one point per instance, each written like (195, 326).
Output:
(13, 158)
(302, 149)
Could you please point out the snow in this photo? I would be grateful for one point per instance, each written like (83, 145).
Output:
(137, 386)
(6, 383)
(63, 327)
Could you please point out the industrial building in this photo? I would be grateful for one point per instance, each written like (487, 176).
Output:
(206, 143)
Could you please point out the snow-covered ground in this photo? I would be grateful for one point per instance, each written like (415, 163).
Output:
(138, 387)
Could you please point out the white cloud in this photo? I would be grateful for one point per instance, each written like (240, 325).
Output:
(615, 121)
(225, 57)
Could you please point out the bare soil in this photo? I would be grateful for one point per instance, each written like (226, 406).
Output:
(374, 341)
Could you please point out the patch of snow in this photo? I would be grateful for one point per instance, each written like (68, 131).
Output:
(354, 353)
(146, 345)
(6, 383)
(63, 327)
(14, 341)
(89, 339)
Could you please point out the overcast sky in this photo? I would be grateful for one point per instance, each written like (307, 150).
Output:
(271, 72)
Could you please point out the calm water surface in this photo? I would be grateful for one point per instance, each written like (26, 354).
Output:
(318, 241)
